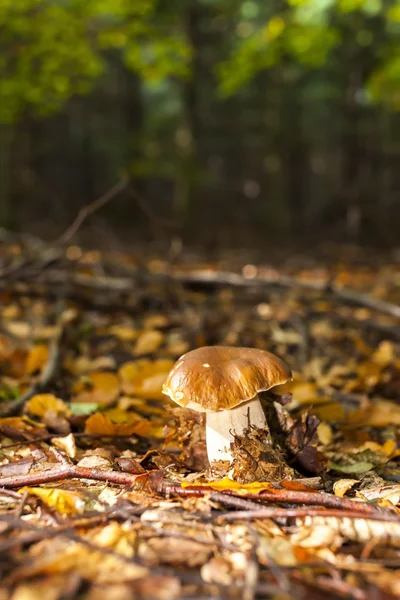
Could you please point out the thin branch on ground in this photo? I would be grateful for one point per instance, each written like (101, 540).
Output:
(91, 208)
(251, 501)
(62, 472)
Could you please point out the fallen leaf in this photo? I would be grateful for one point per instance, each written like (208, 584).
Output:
(39, 404)
(66, 443)
(16, 467)
(99, 424)
(384, 354)
(63, 501)
(325, 434)
(342, 486)
(228, 484)
(99, 388)
(144, 378)
(148, 342)
(37, 358)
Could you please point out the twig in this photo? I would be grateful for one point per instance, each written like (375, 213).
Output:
(50, 370)
(89, 209)
(283, 281)
(62, 472)
(279, 496)
(223, 278)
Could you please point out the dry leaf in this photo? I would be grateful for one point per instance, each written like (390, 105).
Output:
(99, 424)
(227, 484)
(342, 486)
(39, 404)
(37, 358)
(325, 434)
(148, 342)
(63, 501)
(100, 388)
(144, 378)
(66, 443)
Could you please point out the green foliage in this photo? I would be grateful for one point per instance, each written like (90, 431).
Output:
(310, 34)
(52, 50)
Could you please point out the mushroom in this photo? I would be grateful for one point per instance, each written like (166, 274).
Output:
(224, 382)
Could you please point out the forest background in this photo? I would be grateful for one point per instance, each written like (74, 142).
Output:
(240, 122)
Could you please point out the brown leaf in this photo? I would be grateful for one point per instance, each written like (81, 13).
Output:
(17, 467)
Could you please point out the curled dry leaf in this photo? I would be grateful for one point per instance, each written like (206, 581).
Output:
(67, 444)
(100, 388)
(39, 404)
(63, 501)
(342, 486)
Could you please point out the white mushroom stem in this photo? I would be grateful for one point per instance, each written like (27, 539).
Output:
(221, 427)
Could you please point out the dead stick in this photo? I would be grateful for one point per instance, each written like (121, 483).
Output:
(278, 496)
(89, 209)
(62, 472)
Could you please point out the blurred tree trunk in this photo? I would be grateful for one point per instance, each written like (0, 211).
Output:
(5, 166)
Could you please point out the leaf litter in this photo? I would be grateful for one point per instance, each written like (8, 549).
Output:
(105, 487)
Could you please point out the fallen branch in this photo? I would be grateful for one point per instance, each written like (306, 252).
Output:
(127, 282)
(252, 502)
(62, 472)
(223, 278)
(89, 209)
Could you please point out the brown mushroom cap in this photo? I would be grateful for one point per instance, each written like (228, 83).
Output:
(216, 378)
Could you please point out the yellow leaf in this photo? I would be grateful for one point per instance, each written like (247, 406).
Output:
(125, 333)
(144, 378)
(227, 484)
(63, 501)
(342, 486)
(148, 342)
(38, 405)
(380, 413)
(99, 388)
(99, 424)
(37, 358)
(384, 354)
(155, 321)
(325, 434)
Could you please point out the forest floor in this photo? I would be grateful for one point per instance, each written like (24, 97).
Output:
(105, 489)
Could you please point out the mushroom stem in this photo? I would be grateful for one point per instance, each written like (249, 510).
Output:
(221, 427)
